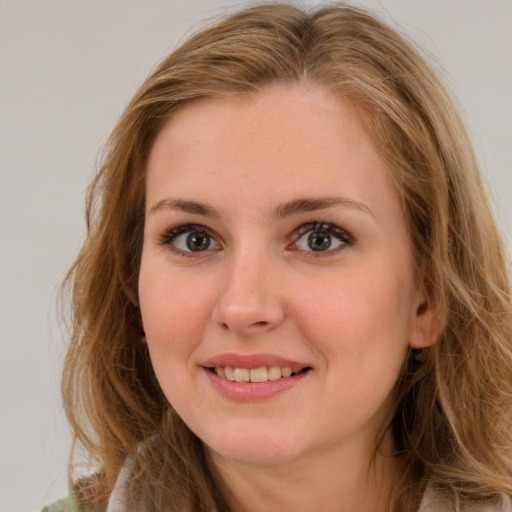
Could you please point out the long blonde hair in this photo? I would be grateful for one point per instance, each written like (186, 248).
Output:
(453, 418)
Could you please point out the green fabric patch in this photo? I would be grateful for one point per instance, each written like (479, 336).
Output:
(69, 504)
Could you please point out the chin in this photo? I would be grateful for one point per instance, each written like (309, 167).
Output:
(259, 449)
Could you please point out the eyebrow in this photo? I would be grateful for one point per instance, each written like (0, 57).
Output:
(307, 204)
(301, 205)
(184, 205)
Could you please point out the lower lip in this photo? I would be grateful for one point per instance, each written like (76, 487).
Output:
(252, 391)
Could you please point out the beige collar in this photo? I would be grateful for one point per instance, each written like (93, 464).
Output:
(433, 501)
(437, 501)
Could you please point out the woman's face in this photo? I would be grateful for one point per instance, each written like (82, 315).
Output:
(274, 245)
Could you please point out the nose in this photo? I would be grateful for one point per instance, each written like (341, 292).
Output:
(249, 301)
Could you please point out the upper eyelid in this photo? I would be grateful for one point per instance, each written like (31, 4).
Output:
(319, 226)
(172, 233)
(345, 238)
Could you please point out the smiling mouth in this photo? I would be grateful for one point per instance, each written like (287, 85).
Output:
(261, 374)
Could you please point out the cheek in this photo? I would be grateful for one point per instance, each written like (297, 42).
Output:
(174, 315)
(357, 315)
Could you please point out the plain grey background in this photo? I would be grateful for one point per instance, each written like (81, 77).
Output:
(68, 67)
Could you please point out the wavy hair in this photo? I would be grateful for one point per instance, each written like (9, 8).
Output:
(453, 415)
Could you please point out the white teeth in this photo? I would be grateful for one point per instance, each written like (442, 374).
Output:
(241, 374)
(286, 372)
(261, 374)
(274, 373)
(229, 372)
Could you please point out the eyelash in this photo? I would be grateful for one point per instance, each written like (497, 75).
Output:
(169, 237)
(345, 238)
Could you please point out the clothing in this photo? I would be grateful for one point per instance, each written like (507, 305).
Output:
(438, 502)
(432, 501)
(70, 504)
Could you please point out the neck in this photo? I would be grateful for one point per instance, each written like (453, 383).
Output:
(332, 481)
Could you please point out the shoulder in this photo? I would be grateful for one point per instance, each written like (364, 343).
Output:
(66, 505)
(438, 501)
(69, 504)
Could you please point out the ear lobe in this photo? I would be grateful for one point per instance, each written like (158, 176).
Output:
(427, 325)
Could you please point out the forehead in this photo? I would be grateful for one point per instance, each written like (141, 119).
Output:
(284, 141)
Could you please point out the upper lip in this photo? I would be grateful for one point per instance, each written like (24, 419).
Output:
(251, 361)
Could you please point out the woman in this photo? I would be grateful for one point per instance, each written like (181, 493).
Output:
(293, 294)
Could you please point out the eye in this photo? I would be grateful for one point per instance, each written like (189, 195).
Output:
(195, 241)
(190, 238)
(320, 237)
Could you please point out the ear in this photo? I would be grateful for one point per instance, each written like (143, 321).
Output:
(427, 323)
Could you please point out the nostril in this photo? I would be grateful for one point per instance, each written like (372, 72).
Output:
(260, 324)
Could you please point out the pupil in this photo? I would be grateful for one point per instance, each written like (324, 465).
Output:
(319, 241)
(198, 241)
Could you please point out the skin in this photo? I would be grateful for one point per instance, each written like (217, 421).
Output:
(349, 312)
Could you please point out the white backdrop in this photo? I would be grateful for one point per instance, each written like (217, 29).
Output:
(67, 69)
